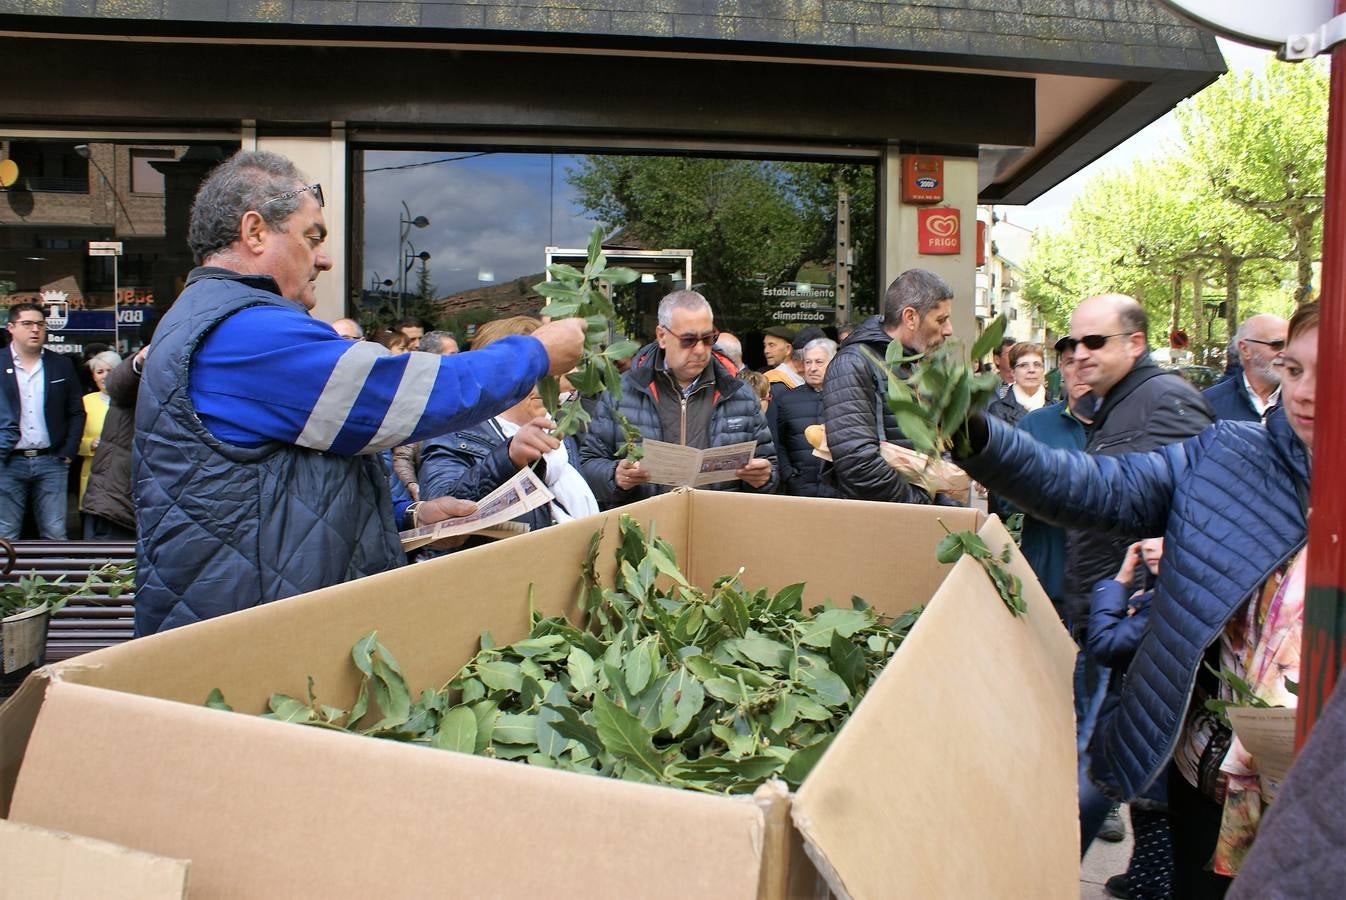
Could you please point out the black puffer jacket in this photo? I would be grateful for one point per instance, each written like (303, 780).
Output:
(1146, 410)
(852, 404)
(801, 471)
(109, 491)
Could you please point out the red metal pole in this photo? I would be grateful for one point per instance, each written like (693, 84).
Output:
(1324, 650)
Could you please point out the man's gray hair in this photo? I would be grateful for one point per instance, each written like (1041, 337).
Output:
(690, 301)
(433, 341)
(250, 180)
(918, 289)
(731, 347)
(827, 345)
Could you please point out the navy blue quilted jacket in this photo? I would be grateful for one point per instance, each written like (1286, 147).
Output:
(736, 416)
(1231, 505)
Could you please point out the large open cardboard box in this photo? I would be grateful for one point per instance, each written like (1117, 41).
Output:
(954, 778)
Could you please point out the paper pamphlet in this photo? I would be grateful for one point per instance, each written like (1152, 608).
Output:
(1269, 735)
(689, 467)
(524, 492)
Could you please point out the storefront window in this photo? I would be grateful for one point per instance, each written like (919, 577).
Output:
(461, 237)
(74, 201)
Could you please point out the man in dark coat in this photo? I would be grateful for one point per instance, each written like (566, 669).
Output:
(1250, 395)
(801, 471)
(916, 311)
(44, 391)
(677, 391)
(109, 511)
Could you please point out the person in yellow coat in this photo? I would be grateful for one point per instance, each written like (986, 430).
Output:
(95, 411)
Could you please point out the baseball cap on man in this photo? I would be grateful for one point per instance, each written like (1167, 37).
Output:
(780, 331)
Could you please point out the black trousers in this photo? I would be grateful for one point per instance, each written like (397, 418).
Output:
(1195, 827)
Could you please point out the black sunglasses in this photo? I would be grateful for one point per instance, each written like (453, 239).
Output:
(688, 341)
(1092, 341)
(315, 188)
(1278, 346)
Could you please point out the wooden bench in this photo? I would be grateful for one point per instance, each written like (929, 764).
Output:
(87, 623)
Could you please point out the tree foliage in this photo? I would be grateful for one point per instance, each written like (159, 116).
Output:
(750, 223)
(1230, 217)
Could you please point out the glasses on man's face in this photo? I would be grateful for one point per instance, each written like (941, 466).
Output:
(688, 341)
(1278, 346)
(1093, 341)
(30, 323)
(315, 188)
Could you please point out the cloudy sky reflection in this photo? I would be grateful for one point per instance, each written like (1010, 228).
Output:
(491, 214)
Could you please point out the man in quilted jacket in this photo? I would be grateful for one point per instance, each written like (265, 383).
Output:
(678, 391)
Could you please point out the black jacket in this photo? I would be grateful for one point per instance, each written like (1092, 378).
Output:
(109, 491)
(1230, 401)
(64, 404)
(1147, 409)
(852, 405)
(801, 471)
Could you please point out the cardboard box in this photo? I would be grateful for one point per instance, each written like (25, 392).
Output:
(954, 778)
(40, 864)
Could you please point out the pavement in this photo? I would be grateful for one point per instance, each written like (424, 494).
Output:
(1103, 861)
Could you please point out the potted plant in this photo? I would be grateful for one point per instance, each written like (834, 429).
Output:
(26, 608)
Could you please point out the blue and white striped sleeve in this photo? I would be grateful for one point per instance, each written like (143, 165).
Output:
(272, 374)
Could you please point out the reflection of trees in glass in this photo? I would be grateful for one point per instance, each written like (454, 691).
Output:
(752, 224)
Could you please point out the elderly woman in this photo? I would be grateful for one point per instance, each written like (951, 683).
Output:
(801, 471)
(1028, 392)
(471, 463)
(95, 411)
(1231, 504)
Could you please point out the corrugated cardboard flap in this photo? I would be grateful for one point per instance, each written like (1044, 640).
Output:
(39, 863)
(269, 809)
(955, 778)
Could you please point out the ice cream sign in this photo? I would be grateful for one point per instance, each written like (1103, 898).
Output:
(938, 231)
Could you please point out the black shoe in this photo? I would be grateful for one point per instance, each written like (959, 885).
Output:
(1117, 886)
(1113, 830)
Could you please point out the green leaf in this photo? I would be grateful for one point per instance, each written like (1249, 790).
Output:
(542, 647)
(288, 709)
(570, 725)
(363, 653)
(917, 430)
(666, 565)
(499, 675)
(950, 548)
(621, 350)
(785, 712)
(760, 650)
(487, 713)
(623, 736)
(803, 761)
(581, 668)
(639, 666)
(215, 700)
(989, 339)
(725, 689)
(550, 741)
(820, 681)
(390, 691)
(682, 699)
(848, 661)
(562, 272)
(457, 731)
(788, 599)
(515, 728)
(617, 275)
(817, 632)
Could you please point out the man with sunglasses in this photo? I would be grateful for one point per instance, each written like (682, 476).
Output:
(1252, 395)
(678, 391)
(259, 429)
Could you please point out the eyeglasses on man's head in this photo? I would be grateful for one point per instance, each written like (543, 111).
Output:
(288, 195)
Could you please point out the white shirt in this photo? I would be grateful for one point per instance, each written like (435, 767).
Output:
(32, 405)
(788, 370)
(1258, 404)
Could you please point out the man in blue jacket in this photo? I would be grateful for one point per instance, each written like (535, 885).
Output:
(44, 394)
(1250, 395)
(258, 428)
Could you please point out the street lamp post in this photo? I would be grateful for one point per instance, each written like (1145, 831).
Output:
(405, 223)
(409, 260)
(84, 152)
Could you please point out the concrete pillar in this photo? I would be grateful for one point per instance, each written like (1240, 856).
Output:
(898, 228)
(322, 159)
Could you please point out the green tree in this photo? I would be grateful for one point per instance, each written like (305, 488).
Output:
(1260, 141)
(751, 223)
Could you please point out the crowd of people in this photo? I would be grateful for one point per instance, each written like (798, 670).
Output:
(258, 453)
